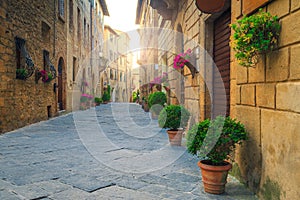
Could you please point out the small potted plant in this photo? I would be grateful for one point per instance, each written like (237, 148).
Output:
(175, 119)
(156, 101)
(97, 101)
(213, 142)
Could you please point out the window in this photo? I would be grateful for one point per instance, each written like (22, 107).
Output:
(20, 54)
(45, 32)
(88, 33)
(78, 24)
(121, 76)
(111, 55)
(71, 22)
(46, 60)
(84, 30)
(96, 7)
(116, 75)
(111, 74)
(61, 8)
(74, 68)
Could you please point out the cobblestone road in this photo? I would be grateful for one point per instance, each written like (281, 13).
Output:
(114, 151)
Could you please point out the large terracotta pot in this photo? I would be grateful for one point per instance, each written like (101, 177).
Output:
(175, 137)
(214, 177)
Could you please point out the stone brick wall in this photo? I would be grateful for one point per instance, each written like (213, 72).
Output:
(267, 102)
(25, 102)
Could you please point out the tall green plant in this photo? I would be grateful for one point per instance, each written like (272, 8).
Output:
(254, 35)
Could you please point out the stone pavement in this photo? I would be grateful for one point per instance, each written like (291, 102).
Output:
(114, 151)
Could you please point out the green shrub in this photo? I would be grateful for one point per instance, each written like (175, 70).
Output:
(173, 117)
(159, 99)
(21, 74)
(215, 140)
(98, 100)
(106, 96)
(134, 96)
(254, 35)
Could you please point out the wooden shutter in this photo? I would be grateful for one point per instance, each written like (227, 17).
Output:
(222, 60)
(251, 5)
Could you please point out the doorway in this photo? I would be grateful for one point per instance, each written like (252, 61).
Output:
(221, 57)
(60, 100)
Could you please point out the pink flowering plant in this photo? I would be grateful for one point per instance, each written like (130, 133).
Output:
(86, 97)
(181, 59)
(46, 76)
(159, 80)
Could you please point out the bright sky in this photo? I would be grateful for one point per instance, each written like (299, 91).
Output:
(122, 17)
(122, 14)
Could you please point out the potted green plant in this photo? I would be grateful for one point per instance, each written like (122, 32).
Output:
(21, 74)
(213, 142)
(156, 102)
(105, 97)
(254, 35)
(97, 101)
(174, 118)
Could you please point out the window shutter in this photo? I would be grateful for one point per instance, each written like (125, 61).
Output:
(251, 5)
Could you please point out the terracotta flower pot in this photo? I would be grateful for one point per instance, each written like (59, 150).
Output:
(214, 177)
(175, 137)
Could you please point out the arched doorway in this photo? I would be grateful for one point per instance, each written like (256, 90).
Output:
(60, 99)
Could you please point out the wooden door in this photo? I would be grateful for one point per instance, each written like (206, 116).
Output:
(221, 55)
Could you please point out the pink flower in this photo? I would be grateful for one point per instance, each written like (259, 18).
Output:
(181, 59)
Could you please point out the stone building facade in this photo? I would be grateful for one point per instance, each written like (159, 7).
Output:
(264, 98)
(38, 24)
(85, 49)
(35, 36)
(116, 47)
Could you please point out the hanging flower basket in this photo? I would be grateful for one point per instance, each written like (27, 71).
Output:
(45, 75)
(185, 59)
(254, 35)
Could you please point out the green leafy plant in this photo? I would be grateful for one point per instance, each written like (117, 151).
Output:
(173, 117)
(156, 101)
(98, 100)
(105, 96)
(254, 35)
(21, 74)
(134, 96)
(215, 140)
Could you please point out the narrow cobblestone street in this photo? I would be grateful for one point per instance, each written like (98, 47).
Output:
(129, 158)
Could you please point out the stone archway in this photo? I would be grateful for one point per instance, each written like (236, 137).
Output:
(61, 98)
